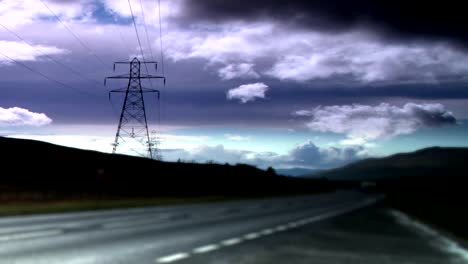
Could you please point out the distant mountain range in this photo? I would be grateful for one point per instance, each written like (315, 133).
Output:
(434, 161)
(297, 171)
(430, 184)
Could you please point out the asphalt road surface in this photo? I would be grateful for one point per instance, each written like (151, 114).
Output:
(340, 227)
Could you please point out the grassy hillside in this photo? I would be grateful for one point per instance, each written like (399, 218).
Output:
(435, 161)
(298, 171)
(34, 170)
(430, 184)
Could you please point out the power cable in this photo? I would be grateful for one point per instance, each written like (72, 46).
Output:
(160, 37)
(162, 59)
(50, 57)
(47, 77)
(74, 35)
(146, 31)
(138, 38)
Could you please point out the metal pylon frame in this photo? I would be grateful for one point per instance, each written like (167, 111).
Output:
(133, 124)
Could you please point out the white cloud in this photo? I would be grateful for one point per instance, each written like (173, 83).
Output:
(248, 92)
(303, 56)
(183, 137)
(196, 148)
(236, 137)
(364, 122)
(16, 116)
(356, 141)
(368, 60)
(306, 155)
(310, 155)
(204, 153)
(30, 19)
(223, 43)
(169, 9)
(240, 70)
(14, 13)
(23, 52)
(303, 113)
(232, 49)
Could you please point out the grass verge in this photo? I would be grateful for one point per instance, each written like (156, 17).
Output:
(26, 208)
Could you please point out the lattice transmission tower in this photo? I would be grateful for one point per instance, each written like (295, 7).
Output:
(133, 125)
(155, 140)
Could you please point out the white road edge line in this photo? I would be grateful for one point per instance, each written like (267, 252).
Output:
(173, 257)
(205, 249)
(33, 234)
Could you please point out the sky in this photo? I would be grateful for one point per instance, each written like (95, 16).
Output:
(270, 83)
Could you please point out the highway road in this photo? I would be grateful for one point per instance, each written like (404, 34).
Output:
(199, 233)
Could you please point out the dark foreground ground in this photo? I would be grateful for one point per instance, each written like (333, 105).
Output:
(368, 236)
(339, 227)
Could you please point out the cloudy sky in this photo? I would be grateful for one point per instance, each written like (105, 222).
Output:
(271, 83)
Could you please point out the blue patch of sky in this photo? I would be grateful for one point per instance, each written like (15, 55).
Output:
(99, 12)
(106, 16)
(47, 18)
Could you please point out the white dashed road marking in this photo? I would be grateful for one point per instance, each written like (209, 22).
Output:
(172, 258)
(230, 242)
(205, 249)
(281, 228)
(251, 236)
(267, 231)
(264, 232)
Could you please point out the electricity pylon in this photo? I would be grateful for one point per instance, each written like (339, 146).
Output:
(133, 125)
(155, 143)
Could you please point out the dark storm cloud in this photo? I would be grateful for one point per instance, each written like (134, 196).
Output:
(397, 18)
(308, 154)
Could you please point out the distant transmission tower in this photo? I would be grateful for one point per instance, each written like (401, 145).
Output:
(133, 125)
(155, 143)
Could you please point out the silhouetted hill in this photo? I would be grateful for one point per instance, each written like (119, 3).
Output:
(430, 184)
(56, 171)
(298, 172)
(430, 161)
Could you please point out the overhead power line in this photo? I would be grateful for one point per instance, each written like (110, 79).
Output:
(73, 34)
(160, 106)
(146, 30)
(136, 30)
(124, 43)
(160, 37)
(50, 57)
(47, 77)
(138, 38)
